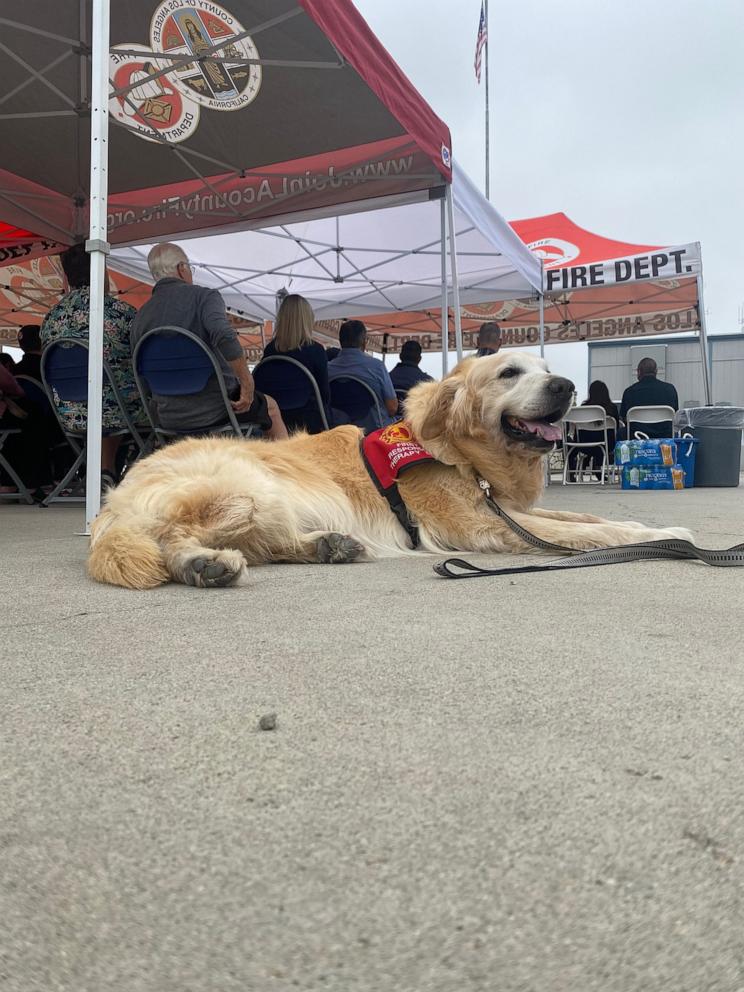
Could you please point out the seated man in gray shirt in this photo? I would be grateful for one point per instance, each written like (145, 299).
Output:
(175, 301)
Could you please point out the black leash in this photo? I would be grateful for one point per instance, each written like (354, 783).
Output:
(674, 548)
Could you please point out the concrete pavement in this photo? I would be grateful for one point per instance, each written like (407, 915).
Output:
(523, 785)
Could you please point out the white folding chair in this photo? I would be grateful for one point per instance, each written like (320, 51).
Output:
(588, 418)
(648, 415)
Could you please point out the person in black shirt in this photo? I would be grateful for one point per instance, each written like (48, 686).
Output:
(599, 395)
(29, 341)
(649, 391)
(489, 339)
(293, 338)
(407, 373)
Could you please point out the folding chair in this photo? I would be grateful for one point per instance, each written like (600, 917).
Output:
(35, 391)
(649, 415)
(23, 493)
(588, 418)
(613, 470)
(171, 361)
(64, 371)
(354, 397)
(294, 387)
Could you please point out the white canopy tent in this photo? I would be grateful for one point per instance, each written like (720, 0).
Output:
(374, 261)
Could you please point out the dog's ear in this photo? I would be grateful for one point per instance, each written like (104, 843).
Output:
(445, 407)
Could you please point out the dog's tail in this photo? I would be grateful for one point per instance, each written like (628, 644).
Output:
(124, 554)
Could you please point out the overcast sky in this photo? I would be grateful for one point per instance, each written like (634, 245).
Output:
(629, 117)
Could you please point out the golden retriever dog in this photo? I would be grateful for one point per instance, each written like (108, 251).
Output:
(200, 510)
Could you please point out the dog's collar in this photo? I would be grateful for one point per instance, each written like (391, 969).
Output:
(387, 454)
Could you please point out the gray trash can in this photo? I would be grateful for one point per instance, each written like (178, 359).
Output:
(719, 428)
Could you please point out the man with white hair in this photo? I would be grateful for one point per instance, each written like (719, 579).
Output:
(177, 302)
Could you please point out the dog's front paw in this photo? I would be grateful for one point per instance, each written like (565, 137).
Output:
(223, 568)
(338, 549)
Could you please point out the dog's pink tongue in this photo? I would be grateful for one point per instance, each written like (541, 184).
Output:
(549, 431)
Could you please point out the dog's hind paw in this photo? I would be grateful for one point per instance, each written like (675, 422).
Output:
(223, 568)
(337, 549)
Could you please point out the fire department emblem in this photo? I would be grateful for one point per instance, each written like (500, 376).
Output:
(396, 434)
(151, 105)
(554, 251)
(196, 28)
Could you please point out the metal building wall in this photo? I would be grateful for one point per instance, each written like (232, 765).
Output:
(612, 362)
(728, 370)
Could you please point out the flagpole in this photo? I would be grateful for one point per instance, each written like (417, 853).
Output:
(488, 143)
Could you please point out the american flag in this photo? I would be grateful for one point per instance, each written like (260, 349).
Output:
(480, 41)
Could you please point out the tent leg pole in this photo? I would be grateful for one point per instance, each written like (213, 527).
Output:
(703, 335)
(542, 325)
(444, 303)
(453, 273)
(97, 246)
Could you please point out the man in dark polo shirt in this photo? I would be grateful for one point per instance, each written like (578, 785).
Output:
(177, 302)
(649, 391)
(407, 373)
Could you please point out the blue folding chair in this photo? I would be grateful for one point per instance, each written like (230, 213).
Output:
(295, 390)
(64, 371)
(171, 361)
(358, 401)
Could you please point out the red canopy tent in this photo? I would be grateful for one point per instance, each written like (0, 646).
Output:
(223, 114)
(595, 288)
(17, 244)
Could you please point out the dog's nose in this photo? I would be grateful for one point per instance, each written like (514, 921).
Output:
(560, 387)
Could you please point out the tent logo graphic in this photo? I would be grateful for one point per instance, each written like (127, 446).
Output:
(230, 83)
(34, 286)
(152, 107)
(446, 156)
(491, 311)
(554, 251)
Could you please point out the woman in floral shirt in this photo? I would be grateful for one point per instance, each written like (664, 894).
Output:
(69, 319)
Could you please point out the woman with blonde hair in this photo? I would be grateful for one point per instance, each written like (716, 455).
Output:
(293, 338)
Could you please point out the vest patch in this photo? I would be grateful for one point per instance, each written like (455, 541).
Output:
(390, 451)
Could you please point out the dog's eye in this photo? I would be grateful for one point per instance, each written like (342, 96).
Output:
(510, 373)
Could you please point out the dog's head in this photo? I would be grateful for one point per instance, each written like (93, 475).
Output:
(509, 400)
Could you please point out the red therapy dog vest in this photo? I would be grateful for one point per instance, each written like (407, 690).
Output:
(387, 453)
